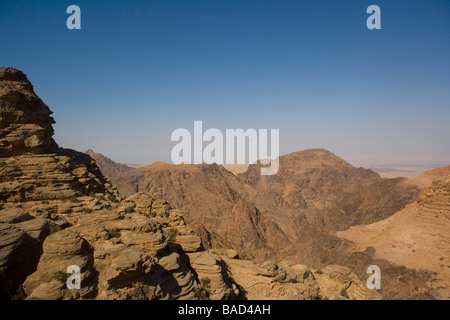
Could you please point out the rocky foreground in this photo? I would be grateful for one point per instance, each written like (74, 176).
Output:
(57, 210)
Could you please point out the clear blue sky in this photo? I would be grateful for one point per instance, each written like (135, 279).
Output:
(137, 70)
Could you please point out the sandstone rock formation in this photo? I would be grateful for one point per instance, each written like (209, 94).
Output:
(340, 283)
(122, 255)
(32, 167)
(21, 237)
(214, 275)
(57, 210)
(270, 280)
(25, 122)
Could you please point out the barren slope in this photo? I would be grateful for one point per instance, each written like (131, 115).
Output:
(215, 204)
(418, 236)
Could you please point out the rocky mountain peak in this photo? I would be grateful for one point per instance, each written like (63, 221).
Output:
(25, 120)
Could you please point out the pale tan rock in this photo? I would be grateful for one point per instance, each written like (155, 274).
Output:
(340, 283)
(52, 290)
(21, 236)
(302, 271)
(152, 242)
(270, 281)
(189, 243)
(142, 202)
(232, 254)
(176, 278)
(62, 175)
(36, 228)
(121, 279)
(214, 276)
(61, 250)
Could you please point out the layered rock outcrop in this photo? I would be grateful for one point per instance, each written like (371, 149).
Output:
(58, 210)
(21, 237)
(25, 121)
(274, 281)
(122, 255)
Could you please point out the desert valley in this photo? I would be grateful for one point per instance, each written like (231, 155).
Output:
(207, 231)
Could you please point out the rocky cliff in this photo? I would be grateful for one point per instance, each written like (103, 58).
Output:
(57, 210)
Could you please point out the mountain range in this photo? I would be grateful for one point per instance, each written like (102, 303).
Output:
(305, 214)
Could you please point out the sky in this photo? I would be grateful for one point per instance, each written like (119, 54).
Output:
(138, 70)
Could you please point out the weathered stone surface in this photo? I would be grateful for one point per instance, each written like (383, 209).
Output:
(14, 215)
(175, 275)
(21, 237)
(141, 202)
(127, 277)
(231, 254)
(59, 175)
(36, 228)
(189, 243)
(214, 275)
(132, 259)
(340, 283)
(302, 271)
(25, 121)
(269, 280)
(61, 250)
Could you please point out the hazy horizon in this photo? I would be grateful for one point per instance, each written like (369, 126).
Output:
(407, 164)
(136, 72)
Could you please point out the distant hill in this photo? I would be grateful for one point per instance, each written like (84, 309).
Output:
(316, 189)
(107, 166)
